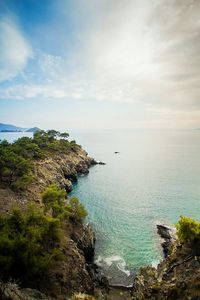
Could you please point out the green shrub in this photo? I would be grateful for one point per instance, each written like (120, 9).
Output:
(76, 210)
(22, 182)
(28, 243)
(13, 166)
(188, 231)
(27, 148)
(55, 199)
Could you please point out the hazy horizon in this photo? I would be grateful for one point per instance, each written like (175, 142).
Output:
(117, 64)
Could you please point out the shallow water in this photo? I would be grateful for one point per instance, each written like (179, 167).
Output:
(155, 178)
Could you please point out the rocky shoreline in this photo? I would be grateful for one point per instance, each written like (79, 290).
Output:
(78, 273)
(79, 278)
(62, 169)
(168, 237)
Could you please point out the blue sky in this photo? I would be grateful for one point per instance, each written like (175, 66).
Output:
(100, 64)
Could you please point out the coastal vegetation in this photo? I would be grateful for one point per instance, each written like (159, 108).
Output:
(16, 159)
(188, 231)
(43, 237)
(42, 233)
(54, 200)
(30, 239)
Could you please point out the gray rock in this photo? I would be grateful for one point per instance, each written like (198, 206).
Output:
(165, 233)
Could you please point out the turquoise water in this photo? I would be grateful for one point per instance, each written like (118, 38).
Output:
(155, 178)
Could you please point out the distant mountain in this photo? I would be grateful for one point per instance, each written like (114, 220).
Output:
(10, 128)
(13, 128)
(34, 129)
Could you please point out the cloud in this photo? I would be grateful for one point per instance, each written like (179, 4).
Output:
(139, 52)
(150, 51)
(14, 50)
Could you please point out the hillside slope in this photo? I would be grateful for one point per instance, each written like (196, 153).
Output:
(58, 162)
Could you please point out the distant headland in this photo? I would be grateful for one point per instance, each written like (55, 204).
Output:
(13, 128)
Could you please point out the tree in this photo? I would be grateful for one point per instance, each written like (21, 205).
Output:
(13, 167)
(27, 148)
(64, 135)
(76, 209)
(54, 198)
(40, 138)
(28, 244)
(52, 134)
(188, 231)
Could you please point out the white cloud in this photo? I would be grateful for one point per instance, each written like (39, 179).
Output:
(150, 51)
(14, 50)
(140, 52)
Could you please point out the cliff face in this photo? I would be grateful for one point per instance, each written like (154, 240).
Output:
(71, 275)
(59, 169)
(176, 277)
(67, 277)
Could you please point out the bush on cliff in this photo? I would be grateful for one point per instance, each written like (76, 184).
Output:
(14, 168)
(188, 231)
(29, 243)
(30, 240)
(55, 200)
(76, 210)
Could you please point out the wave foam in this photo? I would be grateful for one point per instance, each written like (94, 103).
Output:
(155, 263)
(116, 260)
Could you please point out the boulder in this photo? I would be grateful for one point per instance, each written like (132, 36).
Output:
(165, 233)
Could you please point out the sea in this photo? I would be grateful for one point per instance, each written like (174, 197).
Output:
(153, 179)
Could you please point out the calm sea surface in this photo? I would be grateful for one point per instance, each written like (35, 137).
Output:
(154, 179)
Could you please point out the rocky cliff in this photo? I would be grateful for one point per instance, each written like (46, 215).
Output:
(74, 273)
(60, 169)
(176, 277)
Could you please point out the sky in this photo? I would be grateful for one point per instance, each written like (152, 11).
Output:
(100, 64)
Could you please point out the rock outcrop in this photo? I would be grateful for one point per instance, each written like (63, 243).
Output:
(167, 235)
(62, 170)
(176, 277)
(72, 275)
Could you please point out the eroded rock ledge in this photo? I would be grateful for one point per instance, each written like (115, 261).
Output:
(61, 169)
